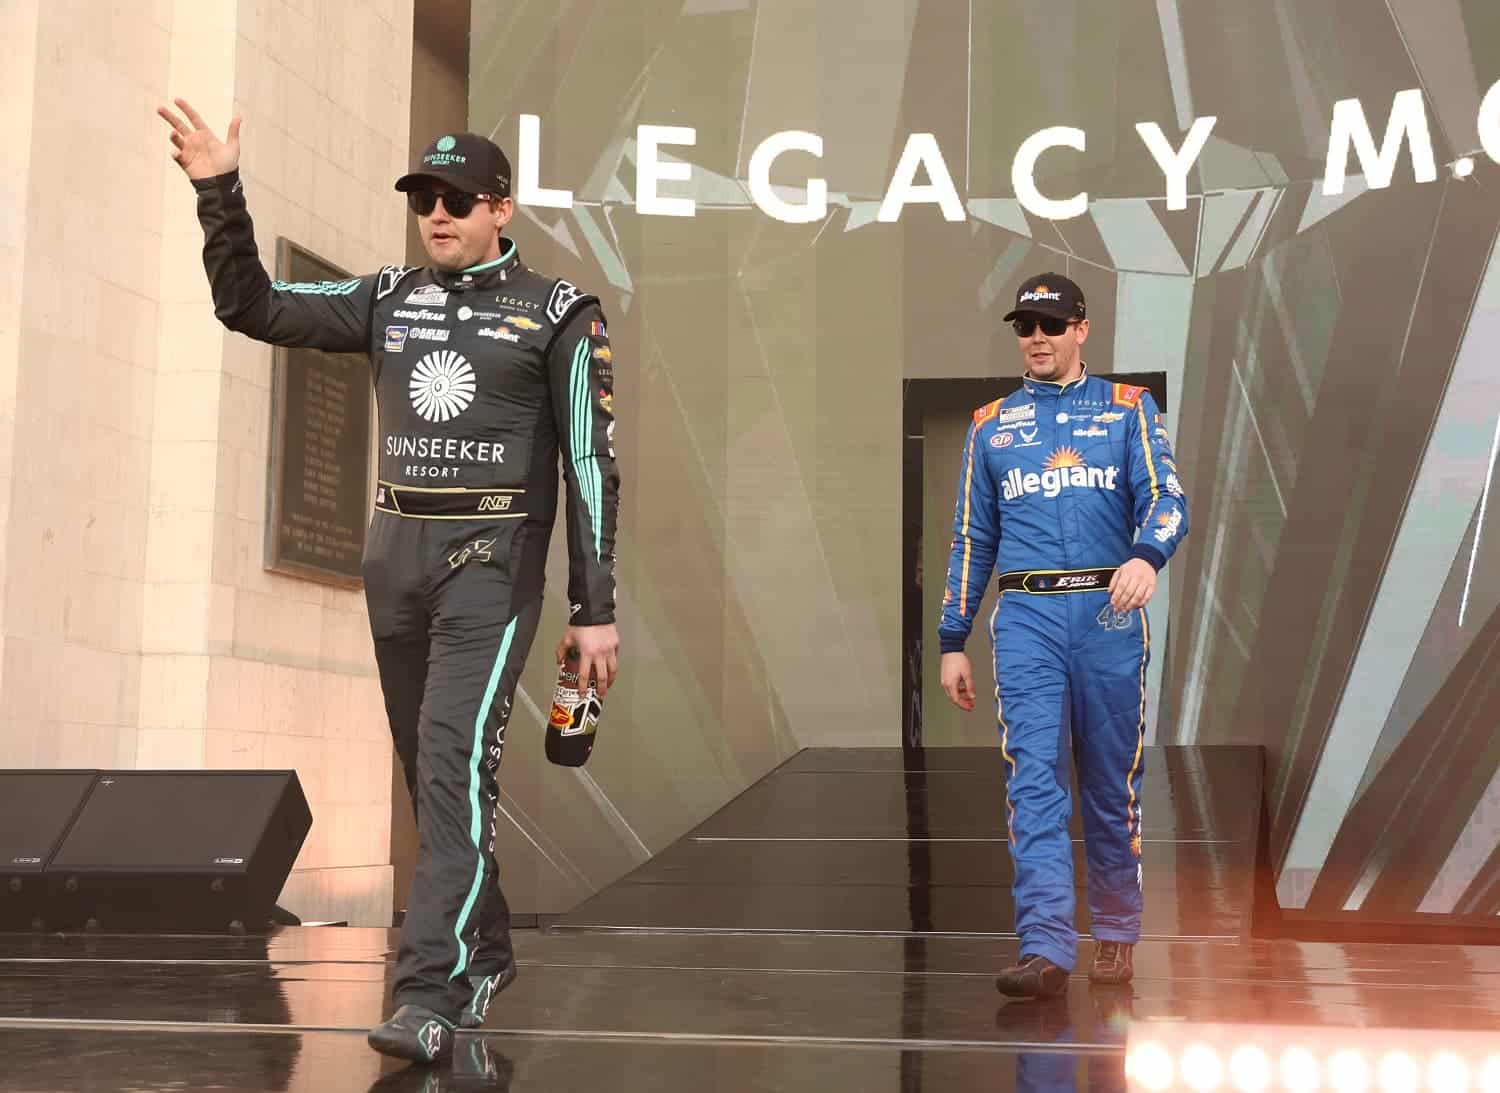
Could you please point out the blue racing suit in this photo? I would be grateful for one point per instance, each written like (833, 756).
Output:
(1060, 484)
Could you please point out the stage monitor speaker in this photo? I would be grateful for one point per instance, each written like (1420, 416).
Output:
(36, 807)
(179, 850)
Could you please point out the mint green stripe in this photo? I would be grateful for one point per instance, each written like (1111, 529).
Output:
(596, 480)
(590, 480)
(318, 288)
(579, 390)
(510, 249)
(580, 416)
(478, 757)
(591, 470)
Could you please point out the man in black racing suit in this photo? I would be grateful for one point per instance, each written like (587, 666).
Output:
(483, 371)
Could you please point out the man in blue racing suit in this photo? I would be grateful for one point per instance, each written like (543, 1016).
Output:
(1069, 488)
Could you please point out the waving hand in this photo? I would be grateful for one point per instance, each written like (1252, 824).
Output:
(199, 152)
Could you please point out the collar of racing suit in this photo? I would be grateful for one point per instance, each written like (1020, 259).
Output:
(483, 276)
(1035, 387)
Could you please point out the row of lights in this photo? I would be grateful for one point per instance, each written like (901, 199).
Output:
(1163, 1056)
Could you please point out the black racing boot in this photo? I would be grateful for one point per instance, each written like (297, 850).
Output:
(485, 989)
(1032, 977)
(415, 1033)
(1114, 962)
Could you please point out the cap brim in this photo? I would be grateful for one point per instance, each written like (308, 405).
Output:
(1058, 313)
(419, 179)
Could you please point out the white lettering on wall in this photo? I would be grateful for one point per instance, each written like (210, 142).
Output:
(1023, 173)
(1408, 120)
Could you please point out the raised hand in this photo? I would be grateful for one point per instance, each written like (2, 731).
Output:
(198, 151)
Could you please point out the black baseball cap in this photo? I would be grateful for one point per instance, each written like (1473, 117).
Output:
(465, 161)
(1049, 294)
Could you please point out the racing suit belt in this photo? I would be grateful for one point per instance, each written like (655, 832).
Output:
(1051, 582)
(451, 503)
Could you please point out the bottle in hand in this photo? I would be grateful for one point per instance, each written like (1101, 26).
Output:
(575, 717)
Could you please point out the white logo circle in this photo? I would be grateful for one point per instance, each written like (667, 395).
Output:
(442, 385)
(466, 313)
(1062, 419)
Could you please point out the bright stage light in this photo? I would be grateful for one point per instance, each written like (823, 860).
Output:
(1300, 1072)
(1489, 1075)
(1348, 1072)
(1149, 1066)
(1398, 1072)
(1206, 1058)
(1202, 1071)
(1448, 1073)
(1250, 1069)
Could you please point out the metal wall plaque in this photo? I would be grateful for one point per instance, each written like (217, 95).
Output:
(318, 486)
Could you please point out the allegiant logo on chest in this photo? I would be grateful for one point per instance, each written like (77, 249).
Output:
(1063, 469)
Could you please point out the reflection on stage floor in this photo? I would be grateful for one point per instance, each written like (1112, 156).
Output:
(800, 939)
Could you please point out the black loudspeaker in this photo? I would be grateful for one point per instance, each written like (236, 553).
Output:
(36, 808)
(178, 850)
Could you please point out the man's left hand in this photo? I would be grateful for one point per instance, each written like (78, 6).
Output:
(598, 650)
(1133, 585)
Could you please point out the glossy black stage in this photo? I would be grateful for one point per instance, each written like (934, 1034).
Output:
(836, 927)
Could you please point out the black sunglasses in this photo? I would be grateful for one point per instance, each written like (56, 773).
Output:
(458, 204)
(1051, 326)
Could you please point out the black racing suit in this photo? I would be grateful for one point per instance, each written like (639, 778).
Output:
(480, 377)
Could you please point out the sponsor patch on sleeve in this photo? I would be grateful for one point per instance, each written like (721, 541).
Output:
(564, 295)
(986, 412)
(1127, 395)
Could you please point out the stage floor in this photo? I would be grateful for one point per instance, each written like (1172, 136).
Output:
(800, 939)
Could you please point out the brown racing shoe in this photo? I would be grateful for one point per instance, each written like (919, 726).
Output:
(1114, 963)
(1032, 977)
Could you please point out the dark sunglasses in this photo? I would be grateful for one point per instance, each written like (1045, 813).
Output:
(1051, 327)
(458, 204)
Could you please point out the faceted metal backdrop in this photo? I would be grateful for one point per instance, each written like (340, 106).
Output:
(1330, 362)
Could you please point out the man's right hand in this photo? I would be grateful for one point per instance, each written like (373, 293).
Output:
(199, 152)
(958, 680)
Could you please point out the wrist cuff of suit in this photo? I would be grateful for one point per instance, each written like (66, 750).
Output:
(224, 182)
(950, 644)
(1149, 554)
